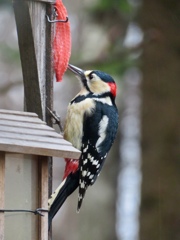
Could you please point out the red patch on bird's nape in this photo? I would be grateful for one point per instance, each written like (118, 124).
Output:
(113, 88)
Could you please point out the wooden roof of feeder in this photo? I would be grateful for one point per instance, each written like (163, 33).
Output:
(24, 132)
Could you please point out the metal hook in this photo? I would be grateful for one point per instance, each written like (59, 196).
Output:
(55, 15)
(54, 21)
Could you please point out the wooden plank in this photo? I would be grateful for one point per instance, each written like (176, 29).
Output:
(21, 118)
(34, 144)
(43, 168)
(62, 151)
(24, 124)
(21, 192)
(44, 139)
(37, 11)
(28, 114)
(49, 86)
(2, 185)
(28, 56)
(34, 132)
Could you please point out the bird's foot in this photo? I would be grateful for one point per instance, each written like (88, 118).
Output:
(56, 118)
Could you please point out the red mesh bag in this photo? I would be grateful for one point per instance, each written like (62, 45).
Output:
(62, 42)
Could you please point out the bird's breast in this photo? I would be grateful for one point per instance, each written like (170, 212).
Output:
(73, 130)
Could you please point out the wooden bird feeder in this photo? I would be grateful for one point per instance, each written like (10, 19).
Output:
(25, 141)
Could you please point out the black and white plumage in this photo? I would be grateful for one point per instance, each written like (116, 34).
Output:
(99, 131)
(91, 126)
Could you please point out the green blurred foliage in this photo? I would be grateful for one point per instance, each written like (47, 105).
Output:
(114, 16)
(5, 2)
(115, 65)
(114, 8)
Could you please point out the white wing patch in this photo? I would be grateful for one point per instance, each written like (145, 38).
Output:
(102, 130)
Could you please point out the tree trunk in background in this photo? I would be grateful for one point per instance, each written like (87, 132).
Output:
(160, 209)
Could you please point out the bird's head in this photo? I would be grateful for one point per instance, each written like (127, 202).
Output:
(95, 81)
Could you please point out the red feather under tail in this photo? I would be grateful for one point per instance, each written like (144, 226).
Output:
(71, 166)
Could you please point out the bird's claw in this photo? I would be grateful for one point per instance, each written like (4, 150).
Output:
(57, 119)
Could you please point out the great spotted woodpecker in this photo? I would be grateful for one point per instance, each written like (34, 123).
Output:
(91, 126)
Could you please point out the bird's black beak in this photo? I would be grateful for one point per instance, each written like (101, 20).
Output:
(79, 72)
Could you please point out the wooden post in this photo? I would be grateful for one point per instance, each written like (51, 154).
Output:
(43, 196)
(2, 177)
(35, 37)
(21, 192)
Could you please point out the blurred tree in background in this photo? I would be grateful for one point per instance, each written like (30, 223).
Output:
(160, 211)
(11, 89)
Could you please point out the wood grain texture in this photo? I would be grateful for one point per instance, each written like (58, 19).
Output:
(24, 125)
(23, 133)
(28, 57)
(43, 185)
(2, 185)
(20, 118)
(21, 192)
(11, 112)
(49, 85)
(17, 136)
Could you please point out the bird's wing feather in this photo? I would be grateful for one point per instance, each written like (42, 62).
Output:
(92, 157)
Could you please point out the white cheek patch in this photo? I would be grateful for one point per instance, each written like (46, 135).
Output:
(102, 130)
(87, 73)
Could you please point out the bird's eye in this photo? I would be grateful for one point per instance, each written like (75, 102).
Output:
(91, 76)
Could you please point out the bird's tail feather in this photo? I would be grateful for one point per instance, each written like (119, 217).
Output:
(57, 199)
(82, 191)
